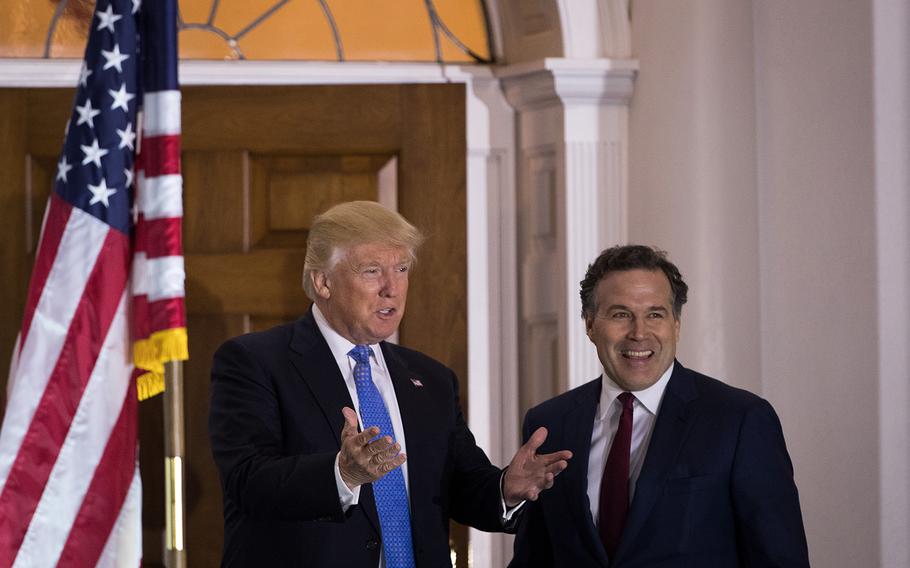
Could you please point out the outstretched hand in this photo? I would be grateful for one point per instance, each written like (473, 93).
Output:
(530, 473)
(362, 461)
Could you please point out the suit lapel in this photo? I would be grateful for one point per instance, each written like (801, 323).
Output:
(313, 360)
(411, 404)
(670, 431)
(578, 428)
(311, 357)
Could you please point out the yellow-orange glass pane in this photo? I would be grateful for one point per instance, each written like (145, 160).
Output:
(384, 30)
(25, 23)
(195, 11)
(235, 15)
(297, 28)
(71, 35)
(370, 30)
(204, 44)
(467, 22)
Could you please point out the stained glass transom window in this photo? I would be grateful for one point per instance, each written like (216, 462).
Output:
(451, 31)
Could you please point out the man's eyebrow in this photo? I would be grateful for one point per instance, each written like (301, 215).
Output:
(623, 307)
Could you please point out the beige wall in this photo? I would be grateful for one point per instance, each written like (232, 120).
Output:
(817, 218)
(752, 162)
(691, 172)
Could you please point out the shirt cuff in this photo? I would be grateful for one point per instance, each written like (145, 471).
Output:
(507, 513)
(348, 497)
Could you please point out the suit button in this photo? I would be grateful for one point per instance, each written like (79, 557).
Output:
(372, 544)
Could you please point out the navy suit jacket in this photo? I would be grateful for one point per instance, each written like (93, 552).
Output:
(716, 488)
(275, 427)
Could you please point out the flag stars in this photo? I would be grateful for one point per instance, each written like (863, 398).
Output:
(136, 4)
(128, 173)
(114, 58)
(84, 74)
(63, 168)
(121, 98)
(107, 19)
(87, 113)
(101, 193)
(127, 137)
(93, 153)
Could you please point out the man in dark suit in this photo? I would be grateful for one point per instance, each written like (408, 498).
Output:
(336, 448)
(671, 468)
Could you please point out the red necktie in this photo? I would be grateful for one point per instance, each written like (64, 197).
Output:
(614, 486)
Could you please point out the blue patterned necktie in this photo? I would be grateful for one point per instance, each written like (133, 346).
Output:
(389, 491)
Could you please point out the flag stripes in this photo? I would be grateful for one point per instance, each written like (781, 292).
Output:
(94, 423)
(55, 221)
(39, 354)
(160, 197)
(160, 154)
(70, 493)
(38, 453)
(107, 492)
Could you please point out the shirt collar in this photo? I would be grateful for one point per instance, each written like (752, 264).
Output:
(649, 398)
(338, 345)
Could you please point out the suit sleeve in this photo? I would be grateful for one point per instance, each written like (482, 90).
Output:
(475, 496)
(532, 540)
(246, 436)
(766, 503)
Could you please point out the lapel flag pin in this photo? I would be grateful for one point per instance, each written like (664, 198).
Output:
(417, 382)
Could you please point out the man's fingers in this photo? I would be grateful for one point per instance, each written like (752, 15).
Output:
(388, 466)
(549, 459)
(380, 447)
(350, 423)
(555, 469)
(537, 438)
(364, 437)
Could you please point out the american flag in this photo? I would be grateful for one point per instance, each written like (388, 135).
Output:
(104, 306)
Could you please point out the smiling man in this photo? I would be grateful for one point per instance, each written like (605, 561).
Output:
(671, 468)
(336, 448)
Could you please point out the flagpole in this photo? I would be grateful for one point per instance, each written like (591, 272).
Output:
(174, 486)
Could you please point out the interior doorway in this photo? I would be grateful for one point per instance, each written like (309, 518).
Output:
(258, 162)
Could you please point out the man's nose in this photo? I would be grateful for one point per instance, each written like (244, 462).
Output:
(390, 286)
(637, 329)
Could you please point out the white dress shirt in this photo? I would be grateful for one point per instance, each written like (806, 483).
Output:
(340, 347)
(645, 406)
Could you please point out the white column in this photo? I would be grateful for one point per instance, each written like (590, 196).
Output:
(572, 194)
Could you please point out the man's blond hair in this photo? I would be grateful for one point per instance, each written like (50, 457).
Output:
(350, 224)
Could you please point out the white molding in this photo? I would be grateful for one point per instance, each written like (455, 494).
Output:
(65, 72)
(616, 22)
(595, 28)
(554, 81)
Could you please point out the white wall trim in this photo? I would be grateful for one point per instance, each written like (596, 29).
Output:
(64, 73)
(595, 28)
(553, 81)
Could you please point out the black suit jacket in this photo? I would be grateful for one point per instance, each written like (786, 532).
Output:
(275, 427)
(715, 490)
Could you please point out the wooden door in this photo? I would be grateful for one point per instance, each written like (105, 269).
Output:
(258, 162)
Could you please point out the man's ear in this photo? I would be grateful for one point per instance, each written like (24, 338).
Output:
(589, 322)
(321, 284)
